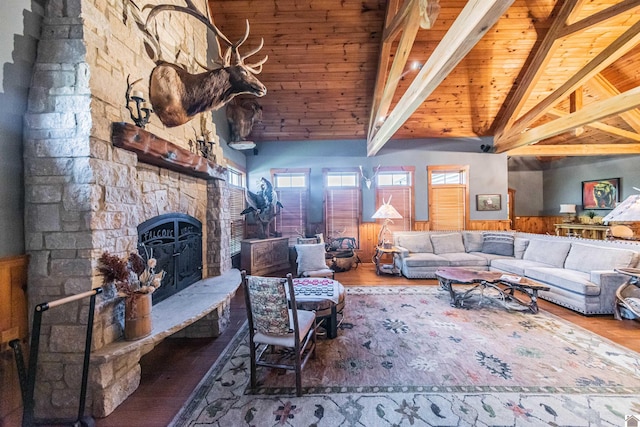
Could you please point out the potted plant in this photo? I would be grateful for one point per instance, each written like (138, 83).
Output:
(591, 215)
(135, 280)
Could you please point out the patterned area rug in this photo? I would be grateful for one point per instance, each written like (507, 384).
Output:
(404, 356)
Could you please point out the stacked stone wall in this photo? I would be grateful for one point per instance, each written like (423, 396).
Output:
(84, 196)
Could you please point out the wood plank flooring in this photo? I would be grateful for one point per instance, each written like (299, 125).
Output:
(175, 367)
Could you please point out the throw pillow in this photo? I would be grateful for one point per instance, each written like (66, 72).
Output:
(497, 243)
(519, 247)
(447, 243)
(310, 257)
(472, 241)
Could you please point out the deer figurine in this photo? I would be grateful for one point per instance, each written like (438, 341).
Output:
(177, 95)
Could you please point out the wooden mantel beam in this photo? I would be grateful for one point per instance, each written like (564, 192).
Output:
(165, 154)
(474, 21)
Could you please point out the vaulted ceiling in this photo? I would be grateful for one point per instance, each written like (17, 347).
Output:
(543, 77)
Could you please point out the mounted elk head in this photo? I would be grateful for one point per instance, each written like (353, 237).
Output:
(241, 115)
(177, 95)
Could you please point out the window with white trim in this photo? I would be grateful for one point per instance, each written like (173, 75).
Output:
(448, 197)
(396, 184)
(236, 181)
(342, 204)
(292, 187)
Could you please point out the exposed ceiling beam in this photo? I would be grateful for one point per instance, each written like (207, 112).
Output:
(411, 23)
(535, 69)
(575, 150)
(614, 51)
(474, 21)
(593, 112)
(383, 60)
(600, 17)
(600, 84)
(612, 130)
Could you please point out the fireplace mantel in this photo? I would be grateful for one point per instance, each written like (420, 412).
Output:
(156, 151)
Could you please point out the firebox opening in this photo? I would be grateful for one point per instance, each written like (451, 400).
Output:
(176, 242)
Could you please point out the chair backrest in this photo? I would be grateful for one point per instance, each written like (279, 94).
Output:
(267, 304)
(307, 240)
(621, 231)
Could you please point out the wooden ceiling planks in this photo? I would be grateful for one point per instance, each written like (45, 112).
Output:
(324, 57)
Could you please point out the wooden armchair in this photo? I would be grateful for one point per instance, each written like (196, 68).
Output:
(273, 324)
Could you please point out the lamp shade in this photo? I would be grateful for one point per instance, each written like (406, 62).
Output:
(567, 208)
(629, 210)
(386, 211)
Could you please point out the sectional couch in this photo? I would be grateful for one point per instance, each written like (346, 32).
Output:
(579, 272)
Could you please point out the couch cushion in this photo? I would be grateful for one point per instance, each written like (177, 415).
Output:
(548, 252)
(590, 257)
(418, 242)
(489, 257)
(515, 266)
(447, 243)
(425, 259)
(497, 243)
(519, 247)
(464, 260)
(472, 241)
(571, 280)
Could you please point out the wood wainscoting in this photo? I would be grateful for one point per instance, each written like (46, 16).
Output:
(14, 323)
(537, 224)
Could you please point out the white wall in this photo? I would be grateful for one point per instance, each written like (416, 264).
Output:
(19, 33)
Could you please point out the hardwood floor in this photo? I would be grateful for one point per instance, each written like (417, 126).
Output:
(175, 367)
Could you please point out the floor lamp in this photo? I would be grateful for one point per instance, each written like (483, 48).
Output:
(388, 213)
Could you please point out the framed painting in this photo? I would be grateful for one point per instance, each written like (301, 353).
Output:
(488, 202)
(601, 193)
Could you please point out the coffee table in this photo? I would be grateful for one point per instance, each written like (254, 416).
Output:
(501, 287)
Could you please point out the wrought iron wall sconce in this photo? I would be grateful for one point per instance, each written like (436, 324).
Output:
(143, 109)
(203, 146)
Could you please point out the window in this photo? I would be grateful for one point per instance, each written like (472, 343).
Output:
(341, 204)
(292, 187)
(396, 184)
(448, 197)
(236, 180)
(235, 177)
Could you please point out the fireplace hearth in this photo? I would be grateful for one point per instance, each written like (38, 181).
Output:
(175, 240)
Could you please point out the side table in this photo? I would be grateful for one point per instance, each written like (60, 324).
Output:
(386, 268)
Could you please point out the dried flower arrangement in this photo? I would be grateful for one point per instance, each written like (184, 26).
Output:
(130, 275)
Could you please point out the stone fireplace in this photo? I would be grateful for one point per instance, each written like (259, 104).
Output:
(85, 196)
(175, 241)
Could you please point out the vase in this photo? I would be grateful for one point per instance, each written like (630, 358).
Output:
(137, 316)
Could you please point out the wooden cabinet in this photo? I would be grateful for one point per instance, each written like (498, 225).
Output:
(263, 256)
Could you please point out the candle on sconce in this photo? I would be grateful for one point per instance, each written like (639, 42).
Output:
(146, 106)
(137, 94)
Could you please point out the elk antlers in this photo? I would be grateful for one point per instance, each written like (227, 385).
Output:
(177, 96)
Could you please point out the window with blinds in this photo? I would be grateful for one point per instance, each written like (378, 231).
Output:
(236, 182)
(448, 197)
(397, 186)
(341, 204)
(293, 192)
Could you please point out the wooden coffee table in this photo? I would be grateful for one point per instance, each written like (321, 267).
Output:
(524, 292)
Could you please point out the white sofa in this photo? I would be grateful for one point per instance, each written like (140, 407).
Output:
(580, 272)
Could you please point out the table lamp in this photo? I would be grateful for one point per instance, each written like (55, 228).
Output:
(568, 209)
(386, 212)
